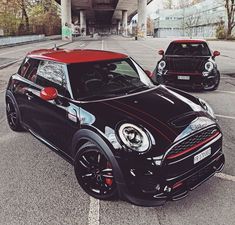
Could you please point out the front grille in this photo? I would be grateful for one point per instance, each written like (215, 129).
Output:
(192, 141)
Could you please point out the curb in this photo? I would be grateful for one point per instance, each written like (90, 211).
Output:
(29, 42)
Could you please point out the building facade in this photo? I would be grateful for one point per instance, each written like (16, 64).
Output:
(200, 20)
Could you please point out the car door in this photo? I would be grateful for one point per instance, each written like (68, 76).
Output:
(55, 121)
(22, 82)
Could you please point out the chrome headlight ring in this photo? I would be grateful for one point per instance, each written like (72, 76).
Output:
(161, 65)
(134, 137)
(209, 66)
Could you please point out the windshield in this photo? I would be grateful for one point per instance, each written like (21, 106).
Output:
(188, 49)
(105, 79)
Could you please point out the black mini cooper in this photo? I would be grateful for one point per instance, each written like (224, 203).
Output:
(188, 64)
(125, 136)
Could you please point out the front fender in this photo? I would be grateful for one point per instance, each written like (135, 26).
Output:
(89, 133)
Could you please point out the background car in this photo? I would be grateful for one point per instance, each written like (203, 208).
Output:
(188, 64)
(125, 136)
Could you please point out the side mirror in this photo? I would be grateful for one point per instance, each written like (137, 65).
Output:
(161, 52)
(48, 93)
(216, 53)
(149, 74)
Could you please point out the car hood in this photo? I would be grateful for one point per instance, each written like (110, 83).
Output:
(187, 64)
(160, 110)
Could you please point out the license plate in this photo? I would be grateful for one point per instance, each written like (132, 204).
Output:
(183, 77)
(199, 157)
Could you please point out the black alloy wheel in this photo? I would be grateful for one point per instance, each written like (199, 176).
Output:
(94, 172)
(13, 115)
(213, 83)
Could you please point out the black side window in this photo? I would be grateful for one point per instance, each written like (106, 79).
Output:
(24, 67)
(51, 74)
(29, 69)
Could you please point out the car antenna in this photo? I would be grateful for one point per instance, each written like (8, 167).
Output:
(55, 47)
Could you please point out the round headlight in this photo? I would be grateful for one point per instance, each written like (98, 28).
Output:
(209, 66)
(207, 107)
(134, 137)
(161, 65)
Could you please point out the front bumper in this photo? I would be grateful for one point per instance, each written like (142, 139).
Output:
(196, 80)
(173, 179)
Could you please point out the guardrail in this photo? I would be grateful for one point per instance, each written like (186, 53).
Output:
(5, 41)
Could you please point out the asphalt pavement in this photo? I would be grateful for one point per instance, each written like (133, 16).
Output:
(39, 187)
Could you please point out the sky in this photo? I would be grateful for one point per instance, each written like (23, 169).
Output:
(154, 5)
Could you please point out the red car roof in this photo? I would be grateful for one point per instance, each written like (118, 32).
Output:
(75, 56)
(189, 41)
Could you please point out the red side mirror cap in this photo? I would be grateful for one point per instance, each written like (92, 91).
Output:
(48, 93)
(149, 74)
(161, 52)
(216, 53)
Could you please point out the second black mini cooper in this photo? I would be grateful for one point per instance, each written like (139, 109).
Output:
(188, 64)
(125, 136)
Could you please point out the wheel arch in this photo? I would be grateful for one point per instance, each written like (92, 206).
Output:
(10, 95)
(91, 134)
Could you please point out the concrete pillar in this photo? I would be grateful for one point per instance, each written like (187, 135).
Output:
(124, 22)
(142, 18)
(83, 27)
(118, 27)
(66, 19)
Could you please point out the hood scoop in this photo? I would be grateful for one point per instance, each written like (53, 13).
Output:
(183, 120)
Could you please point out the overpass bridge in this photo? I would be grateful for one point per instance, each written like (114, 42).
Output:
(102, 15)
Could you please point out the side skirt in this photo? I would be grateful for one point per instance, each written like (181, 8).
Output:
(52, 147)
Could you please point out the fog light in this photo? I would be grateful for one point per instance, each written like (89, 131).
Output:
(167, 189)
(158, 187)
(205, 74)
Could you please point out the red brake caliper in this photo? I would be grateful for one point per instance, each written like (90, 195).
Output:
(109, 181)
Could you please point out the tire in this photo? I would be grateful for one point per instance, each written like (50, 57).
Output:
(13, 115)
(215, 85)
(94, 172)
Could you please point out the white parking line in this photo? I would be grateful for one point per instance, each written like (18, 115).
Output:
(226, 117)
(2, 119)
(227, 92)
(227, 77)
(225, 177)
(94, 212)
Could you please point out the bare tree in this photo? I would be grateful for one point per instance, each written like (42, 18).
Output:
(191, 22)
(186, 3)
(168, 4)
(150, 26)
(230, 8)
(25, 17)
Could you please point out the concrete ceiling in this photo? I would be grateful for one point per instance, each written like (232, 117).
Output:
(104, 11)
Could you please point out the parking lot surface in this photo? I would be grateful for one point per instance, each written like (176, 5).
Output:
(39, 187)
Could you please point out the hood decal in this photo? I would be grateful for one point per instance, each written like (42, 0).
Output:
(140, 119)
(169, 129)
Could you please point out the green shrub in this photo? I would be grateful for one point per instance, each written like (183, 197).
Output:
(221, 31)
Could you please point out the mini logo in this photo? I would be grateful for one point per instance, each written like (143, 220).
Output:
(213, 131)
